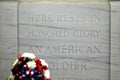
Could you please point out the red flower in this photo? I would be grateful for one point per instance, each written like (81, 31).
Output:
(38, 61)
(38, 66)
(20, 58)
(48, 79)
(45, 67)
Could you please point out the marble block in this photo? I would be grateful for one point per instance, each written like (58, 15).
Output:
(115, 40)
(72, 37)
(65, 0)
(8, 37)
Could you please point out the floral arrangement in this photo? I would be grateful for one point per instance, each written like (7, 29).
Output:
(28, 67)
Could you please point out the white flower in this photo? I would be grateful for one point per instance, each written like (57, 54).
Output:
(31, 64)
(29, 55)
(11, 77)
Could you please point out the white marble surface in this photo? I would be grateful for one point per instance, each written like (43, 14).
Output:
(115, 40)
(63, 41)
(67, 0)
(72, 37)
(8, 37)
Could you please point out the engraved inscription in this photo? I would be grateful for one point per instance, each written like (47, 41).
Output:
(72, 78)
(86, 49)
(62, 33)
(68, 65)
(66, 49)
(39, 18)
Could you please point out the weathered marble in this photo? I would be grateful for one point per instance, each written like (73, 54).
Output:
(115, 40)
(72, 37)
